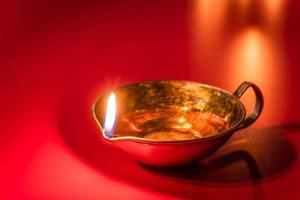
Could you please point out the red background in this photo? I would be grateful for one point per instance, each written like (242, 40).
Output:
(56, 56)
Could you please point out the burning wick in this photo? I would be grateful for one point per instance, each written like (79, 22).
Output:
(110, 116)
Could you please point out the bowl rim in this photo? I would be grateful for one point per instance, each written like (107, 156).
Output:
(153, 141)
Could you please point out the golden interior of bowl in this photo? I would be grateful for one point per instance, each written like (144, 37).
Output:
(171, 111)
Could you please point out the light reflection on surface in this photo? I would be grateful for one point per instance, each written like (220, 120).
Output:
(274, 12)
(209, 20)
(235, 41)
(256, 57)
(249, 57)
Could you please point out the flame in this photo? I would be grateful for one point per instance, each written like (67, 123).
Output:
(110, 116)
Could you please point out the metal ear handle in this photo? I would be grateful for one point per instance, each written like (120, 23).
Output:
(259, 104)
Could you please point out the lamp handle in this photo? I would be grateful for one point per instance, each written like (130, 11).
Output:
(259, 104)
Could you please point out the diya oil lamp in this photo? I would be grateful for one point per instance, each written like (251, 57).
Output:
(172, 123)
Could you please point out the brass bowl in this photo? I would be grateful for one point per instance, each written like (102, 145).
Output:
(172, 123)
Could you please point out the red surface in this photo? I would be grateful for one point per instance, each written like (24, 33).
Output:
(56, 56)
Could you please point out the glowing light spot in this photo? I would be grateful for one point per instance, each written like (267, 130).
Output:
(187, 125)
(181, 119)
(185, 108)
